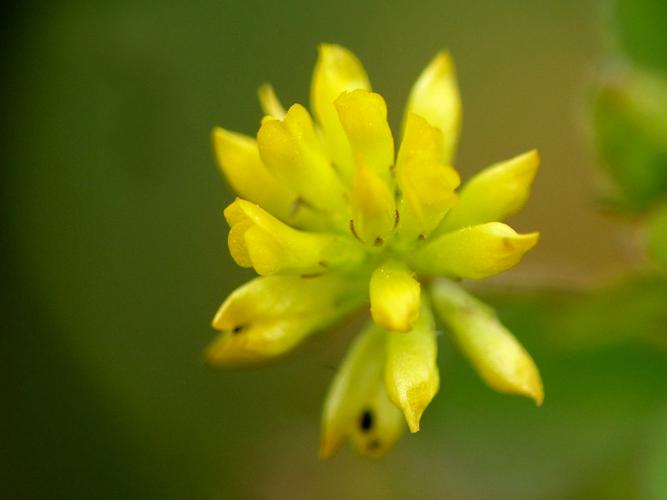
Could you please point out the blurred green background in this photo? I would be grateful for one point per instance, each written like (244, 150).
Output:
(116, 259)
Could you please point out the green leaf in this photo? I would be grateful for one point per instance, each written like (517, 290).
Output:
(630, 129)
(657, 479)
(657, 236)
(640, 28)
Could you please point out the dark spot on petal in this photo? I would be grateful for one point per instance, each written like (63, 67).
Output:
(378, 241)
(374, 444)
(323, 264)
(353, 231)
(422, 237)
(311, 275)
(397, 219)
(366, 421)
(237, 329)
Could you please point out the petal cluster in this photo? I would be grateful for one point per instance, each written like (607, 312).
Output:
(336, 213)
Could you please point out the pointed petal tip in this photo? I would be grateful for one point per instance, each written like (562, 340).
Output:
(217, 131)
(528, 162)
(534, 154)
(528, 240)
(329, 446)
(269, 101)
(392, 323)
(413, 418)
(212, 357)
(522, 242)
(444, 59)
(325, 49)
(536, 391)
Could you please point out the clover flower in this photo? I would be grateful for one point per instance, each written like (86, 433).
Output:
(332, 219)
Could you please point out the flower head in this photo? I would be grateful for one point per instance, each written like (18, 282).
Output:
(333, 218)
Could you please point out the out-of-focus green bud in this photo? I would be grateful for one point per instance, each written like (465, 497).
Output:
(495, 353)
(630, 126)
(639, 26)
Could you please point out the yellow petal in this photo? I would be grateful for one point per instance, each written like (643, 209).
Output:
(268, 316)
(495, 353)
(336, 71)
(356, 405)
(237, 244)
(241, 165)
(435, 96)
(411, 371)
(292, 152)
(269, 101)
(394, 294)
(260, 240)
(495, 193)
(373, 207)
(363, 115)
(426, 184)
(474, 252)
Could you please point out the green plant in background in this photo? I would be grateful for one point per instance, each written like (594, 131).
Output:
(630, 119)
(331, 218)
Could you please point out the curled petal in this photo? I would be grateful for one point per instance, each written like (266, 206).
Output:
(394, 296)
(411, 371)
(495, 193)
(474, 252)
(261, 241)
(269, 101)
(435, 96)
(292, 152)
(496, 354)
(426, 184)
(363, 115)
(357, 406)
(268, 316)
(337, 70)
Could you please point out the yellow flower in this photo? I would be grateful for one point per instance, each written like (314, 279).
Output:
(332, 218)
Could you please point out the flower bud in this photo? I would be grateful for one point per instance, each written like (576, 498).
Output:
(261, 241)
(394, 296)
(474, 252)
(357, 406)
(495, 353)
(268, 316)
(411, 370)
(337, 70)
(435, 97)
(495, 193)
